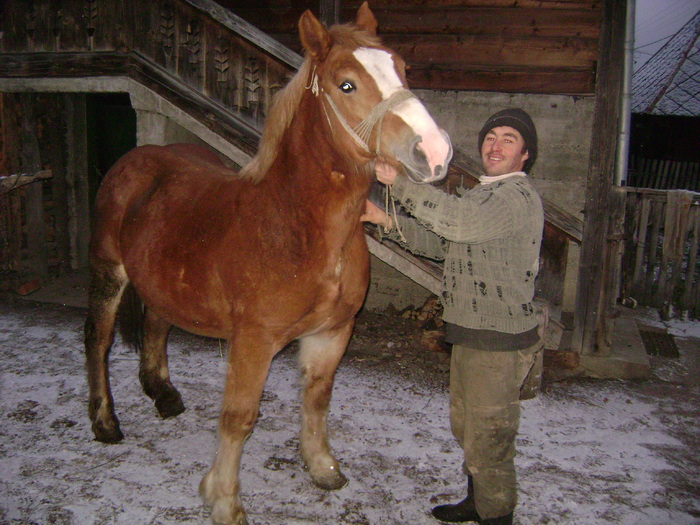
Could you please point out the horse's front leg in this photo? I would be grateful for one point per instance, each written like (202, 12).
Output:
(319, 357)
(249, 363)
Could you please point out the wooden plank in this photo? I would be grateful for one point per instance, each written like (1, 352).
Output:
(650, 282)
(549, 4)
(544, 80)
(405, 20)
(77, 180)
(35, 226)
(421, 271)
(690, 278)
(471, 50)
(675, 244)
(401, 20)
(684, 177)
(63, 65)
(641, 231)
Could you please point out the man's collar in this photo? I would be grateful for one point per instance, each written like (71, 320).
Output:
(485, 179)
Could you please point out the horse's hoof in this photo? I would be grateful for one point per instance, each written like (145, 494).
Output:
(170, 405)
(107, 434)
(331, 480)
(225, 509)
(225, 512)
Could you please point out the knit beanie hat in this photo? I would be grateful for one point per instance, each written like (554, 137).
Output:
(518, 119)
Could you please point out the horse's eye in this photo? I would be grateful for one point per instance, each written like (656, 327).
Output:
(347, 87)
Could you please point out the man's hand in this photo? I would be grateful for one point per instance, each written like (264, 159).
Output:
(376, 215)
(386, 173)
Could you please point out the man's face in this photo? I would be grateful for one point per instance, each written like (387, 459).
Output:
(502, 151)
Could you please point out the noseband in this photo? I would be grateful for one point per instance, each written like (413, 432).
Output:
(361, 133)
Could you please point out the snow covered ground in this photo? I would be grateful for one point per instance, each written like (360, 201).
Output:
(590, 452)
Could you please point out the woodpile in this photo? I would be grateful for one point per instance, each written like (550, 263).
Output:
(428, 318)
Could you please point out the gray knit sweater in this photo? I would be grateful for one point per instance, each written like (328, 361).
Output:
(489, 238)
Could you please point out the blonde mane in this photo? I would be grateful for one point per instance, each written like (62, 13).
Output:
(282, 110)
(286, 102)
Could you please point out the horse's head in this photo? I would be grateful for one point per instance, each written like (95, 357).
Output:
(362, 88)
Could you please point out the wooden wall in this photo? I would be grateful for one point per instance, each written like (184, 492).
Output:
(44, 223)
(528, 46)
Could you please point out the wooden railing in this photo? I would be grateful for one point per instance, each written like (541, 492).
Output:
(661, 261)
(210, 63)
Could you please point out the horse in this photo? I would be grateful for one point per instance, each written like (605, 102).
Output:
(272, 254)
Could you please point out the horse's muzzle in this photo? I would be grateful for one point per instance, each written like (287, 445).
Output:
(427, 161)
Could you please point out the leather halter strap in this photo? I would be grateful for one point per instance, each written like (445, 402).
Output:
(361, 133)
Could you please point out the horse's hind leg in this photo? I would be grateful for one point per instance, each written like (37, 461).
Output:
(107, 282)
(319, 358)
(153, 370)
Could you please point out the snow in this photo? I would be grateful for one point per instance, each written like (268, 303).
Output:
(589, 451)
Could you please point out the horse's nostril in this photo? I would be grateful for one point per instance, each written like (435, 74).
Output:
(419, 156)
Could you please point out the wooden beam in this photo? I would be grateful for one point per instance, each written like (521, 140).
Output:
(420, 271)
(11, 182)
(591, 311)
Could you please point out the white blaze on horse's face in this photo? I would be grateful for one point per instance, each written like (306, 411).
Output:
(432, 142)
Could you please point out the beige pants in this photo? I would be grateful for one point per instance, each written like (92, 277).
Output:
(485, 415)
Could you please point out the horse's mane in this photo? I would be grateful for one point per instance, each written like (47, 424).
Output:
(286, 102)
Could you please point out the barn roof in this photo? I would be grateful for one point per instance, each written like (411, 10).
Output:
(669, 82)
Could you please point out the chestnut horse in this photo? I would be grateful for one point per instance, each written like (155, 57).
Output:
(272, 254)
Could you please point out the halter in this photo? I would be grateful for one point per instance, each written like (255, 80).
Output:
(361, 133)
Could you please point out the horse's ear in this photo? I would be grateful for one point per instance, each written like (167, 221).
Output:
(314, 36)
(365, 19)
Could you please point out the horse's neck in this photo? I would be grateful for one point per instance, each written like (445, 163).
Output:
(308, 157)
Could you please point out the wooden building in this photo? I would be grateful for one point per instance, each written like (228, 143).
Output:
(205, 71)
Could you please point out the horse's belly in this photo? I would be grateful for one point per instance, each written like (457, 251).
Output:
(193, 301)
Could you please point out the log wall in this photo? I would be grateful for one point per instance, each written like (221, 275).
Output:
(527, 46)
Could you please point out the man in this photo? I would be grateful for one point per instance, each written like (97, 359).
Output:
(489, 238)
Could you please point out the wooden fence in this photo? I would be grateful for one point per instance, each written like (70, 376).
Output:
(664, 174)
(661, 263)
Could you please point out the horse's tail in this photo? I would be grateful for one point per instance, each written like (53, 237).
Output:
(131, 318)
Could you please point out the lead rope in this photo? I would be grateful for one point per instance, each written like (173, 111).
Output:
(388, 198)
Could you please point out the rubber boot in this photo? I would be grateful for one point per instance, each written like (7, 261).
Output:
(462, 512)
(503, 520)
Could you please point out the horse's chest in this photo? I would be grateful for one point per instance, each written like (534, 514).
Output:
(344, 274)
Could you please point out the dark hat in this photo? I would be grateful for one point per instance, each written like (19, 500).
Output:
(518, 119)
